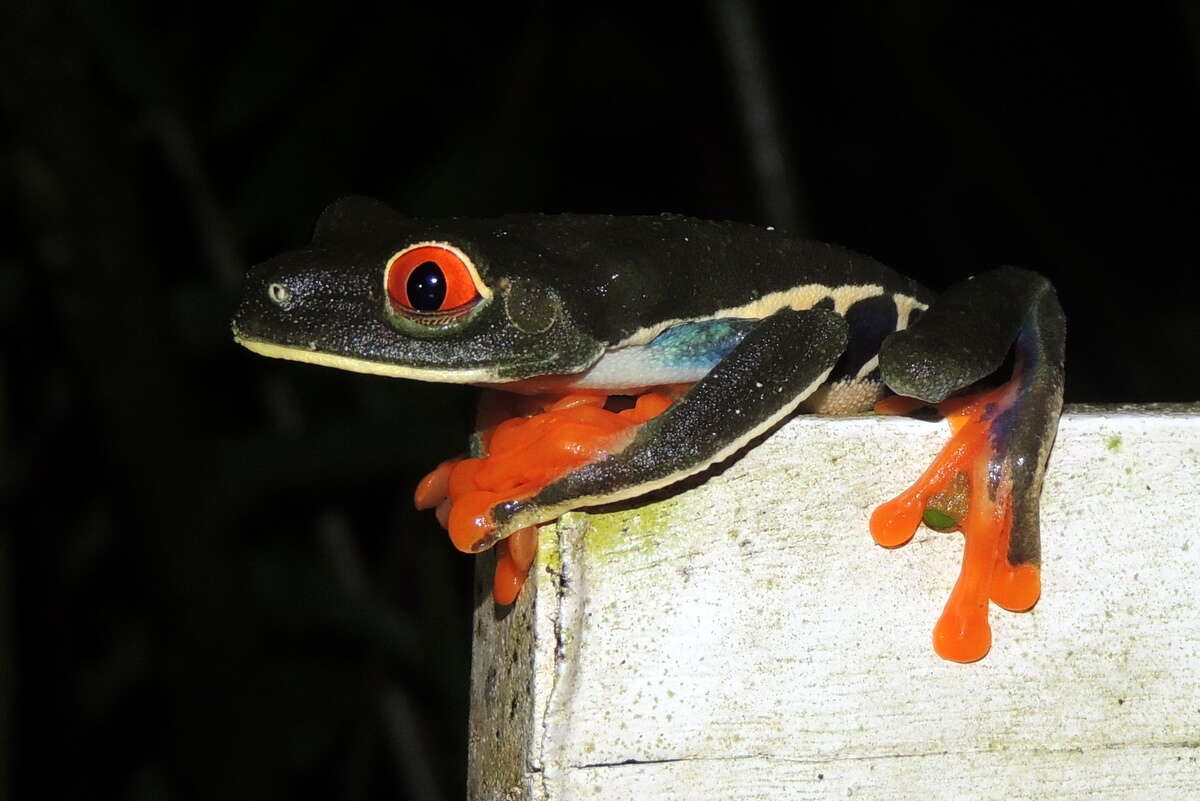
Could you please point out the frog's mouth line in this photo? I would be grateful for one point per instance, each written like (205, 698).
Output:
(462, 375)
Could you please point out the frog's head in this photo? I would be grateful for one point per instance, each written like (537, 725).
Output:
(446, 300)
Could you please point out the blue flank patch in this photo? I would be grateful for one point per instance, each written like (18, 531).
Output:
(697, 345)
(680, 355)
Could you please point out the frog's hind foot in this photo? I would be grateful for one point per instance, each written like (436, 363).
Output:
(968, 487)
(987, 480)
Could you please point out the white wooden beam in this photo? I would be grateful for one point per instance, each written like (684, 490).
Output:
(745, 639)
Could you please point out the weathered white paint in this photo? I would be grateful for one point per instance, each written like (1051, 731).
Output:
(745, 639)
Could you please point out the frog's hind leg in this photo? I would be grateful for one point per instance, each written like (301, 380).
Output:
(988, 479)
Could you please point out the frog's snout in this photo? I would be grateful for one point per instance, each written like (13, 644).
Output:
(259, 296)
(282, 298)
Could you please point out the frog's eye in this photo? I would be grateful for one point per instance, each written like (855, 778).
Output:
(431, 283)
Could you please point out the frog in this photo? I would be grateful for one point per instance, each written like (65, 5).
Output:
(620, 355)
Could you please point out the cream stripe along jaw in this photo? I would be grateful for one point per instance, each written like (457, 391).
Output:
(554, 294)
(634, 363)
(352, 364)
(741, 325)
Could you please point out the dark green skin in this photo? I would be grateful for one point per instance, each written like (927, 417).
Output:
(569, 287)
(964, 338)
(598, 278)
(783, 356)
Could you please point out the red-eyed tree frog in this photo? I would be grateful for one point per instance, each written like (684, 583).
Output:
(622, 354)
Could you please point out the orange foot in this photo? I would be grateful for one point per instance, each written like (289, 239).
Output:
(967, 487)
(530, 442)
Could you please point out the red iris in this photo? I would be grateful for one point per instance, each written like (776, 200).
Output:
(430, 278)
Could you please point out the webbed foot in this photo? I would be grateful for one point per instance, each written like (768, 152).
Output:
(987, 481)
(529, 442)
(969, 486)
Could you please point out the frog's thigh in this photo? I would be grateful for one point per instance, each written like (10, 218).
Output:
(967, 333)
(776, 366)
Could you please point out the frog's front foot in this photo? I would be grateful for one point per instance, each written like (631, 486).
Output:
(485, 502)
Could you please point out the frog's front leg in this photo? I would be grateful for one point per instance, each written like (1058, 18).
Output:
(577, 453)
(776, 366)
(552, 455)
(988, 479)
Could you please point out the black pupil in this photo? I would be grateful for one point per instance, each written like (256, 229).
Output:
(426, 287)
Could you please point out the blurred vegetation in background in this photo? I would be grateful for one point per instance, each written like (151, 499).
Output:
(214, 584)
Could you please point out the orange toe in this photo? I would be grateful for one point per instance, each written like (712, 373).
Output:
(442, 513)
(470, 524)
(968, 469)
(1016, 587)
(522, 547)
(894, 523)
(531, 441)
(433, 489)
(963, 634)
(508, 580)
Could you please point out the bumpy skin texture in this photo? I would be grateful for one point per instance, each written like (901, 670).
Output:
(774, 367)
(993, 466)
(965, 337)
(337, 305)
(606, 278)
(750, 320)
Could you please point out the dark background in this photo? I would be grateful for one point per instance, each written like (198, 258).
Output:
(214, 586)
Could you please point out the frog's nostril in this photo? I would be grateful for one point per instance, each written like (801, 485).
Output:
(278, 293)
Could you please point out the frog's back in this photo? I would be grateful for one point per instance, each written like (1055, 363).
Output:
(655, 271)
